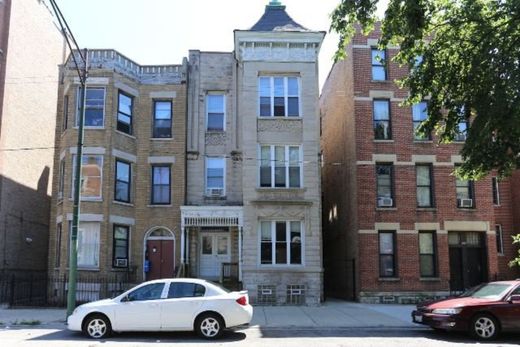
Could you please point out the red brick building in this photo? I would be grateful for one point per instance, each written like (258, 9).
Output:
(398, 225)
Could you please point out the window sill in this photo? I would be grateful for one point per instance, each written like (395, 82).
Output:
(500, 254)
(386, 208)
(468, 209)
(170, 205)
(430, 279)
(426, 209)
(60, 201)
(90, 127)
(383, 141)
(288, 118)
(380, 81)
(125, 134)
(280, 190)
(215, 132)
(122, 203)
(497, 205)
(88, 200)
(120, 269)
(161, 139)
(219, 197)
(93, 269)
(389, 279)
(417, 142)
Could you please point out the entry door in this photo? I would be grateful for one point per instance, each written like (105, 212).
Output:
(467, 260)
(160, 256)
(214, 250)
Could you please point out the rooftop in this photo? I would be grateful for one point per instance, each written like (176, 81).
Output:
(276, 19)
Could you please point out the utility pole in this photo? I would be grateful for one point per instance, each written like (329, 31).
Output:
(82, 71)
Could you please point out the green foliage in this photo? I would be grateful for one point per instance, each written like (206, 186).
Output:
(516, 261)
(470, 69)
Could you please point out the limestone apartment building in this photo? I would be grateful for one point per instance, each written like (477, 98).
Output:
(251, 201)
(397, 224)
(28, 77)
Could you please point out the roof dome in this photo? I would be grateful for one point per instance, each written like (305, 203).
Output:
(276, 19)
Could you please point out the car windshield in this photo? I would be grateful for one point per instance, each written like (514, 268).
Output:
(487, 291)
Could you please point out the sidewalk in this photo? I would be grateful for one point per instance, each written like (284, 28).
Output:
(331, 314)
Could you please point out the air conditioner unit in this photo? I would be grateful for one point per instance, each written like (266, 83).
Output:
(385, 202)
(121, 262)
(466, 202)
(214, 192)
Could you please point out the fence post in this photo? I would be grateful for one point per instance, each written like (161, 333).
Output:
(11, 294)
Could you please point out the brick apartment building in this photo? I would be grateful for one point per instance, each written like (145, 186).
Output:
(31, 48)
(133, 174)
(397, 224)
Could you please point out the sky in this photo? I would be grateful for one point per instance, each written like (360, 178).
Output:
(162, 31)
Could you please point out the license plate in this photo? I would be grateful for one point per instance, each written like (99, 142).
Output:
(417, 318)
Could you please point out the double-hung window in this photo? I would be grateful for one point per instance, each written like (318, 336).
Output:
(162, 119)
(424, 184)
(496, 193)
(462, 131)
(280, 166)
(387, 258)
(88, 245)
(420, 113)
(499, 239)
(281, 242)
(215, 114)
(279, 96)
(124, 113)
(91, 176)
(161, 184)
(120, 246)
(123, 181)
(94, 107)
(385, 183)
(57, 243)
(427, 254)
(65, 119)
(378, 64)
(382, 123)
(215, 176)
(465, 193)
(61, 181)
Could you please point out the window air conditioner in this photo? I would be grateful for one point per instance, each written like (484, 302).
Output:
(385, 202)
(214, 191)
(121, 262)
(466, 202)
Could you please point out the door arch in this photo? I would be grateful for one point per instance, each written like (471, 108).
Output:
(159, 253)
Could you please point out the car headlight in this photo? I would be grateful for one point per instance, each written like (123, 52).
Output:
(447, 310)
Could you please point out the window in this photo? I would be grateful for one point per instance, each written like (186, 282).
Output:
(464, 193)
(151, 291)
(162, 119)
(499, 239)
(61, 181)
(382, 126)
(57, 250)
(65, 120)
(387, 263)
(427, 254)
(215, 106)
(124, 113)
(279, 96)
(280, 166)
(215, 173)
(378, 65)
(424, 185)
(385, 194)
(420, 113)
(88, 245)
(161, 185)
(462, 131)
(123, 181)
(94, 107)
(496, 194)
(120, 246)
(91, 176)
(281, 242)
(185, 290)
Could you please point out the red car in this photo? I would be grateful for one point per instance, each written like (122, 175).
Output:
(483, 311)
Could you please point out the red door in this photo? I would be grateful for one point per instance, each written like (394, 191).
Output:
(160, 256)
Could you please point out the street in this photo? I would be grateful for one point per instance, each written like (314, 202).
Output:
(56, 335)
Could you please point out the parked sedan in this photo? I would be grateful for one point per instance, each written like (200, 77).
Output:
(165, 305)
(483, 311)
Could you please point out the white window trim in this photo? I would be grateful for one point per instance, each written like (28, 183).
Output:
(206, 175)
(223, 94)
(273, 244)
(86, 267)
(272, 153)
(78, 97)
(84, 198)
(61, 179)
(501, 236)
(286, 96)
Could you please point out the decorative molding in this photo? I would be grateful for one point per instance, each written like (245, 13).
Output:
(381, 94)
(126, 88)
(87, 217)
(161, 160)
(163, 95)
(88, 150)
(124, 155)
(216, 138)
(121, 220)
(293, 125)
(467, 226)
(98, 81)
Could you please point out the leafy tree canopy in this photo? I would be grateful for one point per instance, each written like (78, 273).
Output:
(469, 69)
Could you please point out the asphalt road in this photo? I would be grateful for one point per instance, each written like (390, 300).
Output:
(57, 336)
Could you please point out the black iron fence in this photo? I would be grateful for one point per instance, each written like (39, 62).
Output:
(37, 289)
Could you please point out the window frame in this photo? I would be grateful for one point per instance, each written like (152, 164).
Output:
(286, 96)
(495, 191)
(87, 198)
(78, 107)
(117, 180)
(65, 120)
(471, 192)
(152, 202)
(430, 186)
(81, 230)
(223, 95)
(433, 255)
(273, 241)
(287, 166)
(154, 118)
(61, 180)
(119, 112)
(389, 120)
(392, 184)
(378, 64)
(223, 161)
(499, 239)
(57, 244)
(114, 246)
(416, 122)
(393, 254)
(462, 136)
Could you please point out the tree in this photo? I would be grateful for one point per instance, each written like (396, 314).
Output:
(464, 56)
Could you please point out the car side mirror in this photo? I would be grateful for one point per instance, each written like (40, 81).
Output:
(515, 298)
(126, 298)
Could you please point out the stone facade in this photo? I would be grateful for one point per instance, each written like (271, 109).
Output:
(31, 48)
(353, 221)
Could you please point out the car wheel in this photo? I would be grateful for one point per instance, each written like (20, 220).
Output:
(97, 326)
(209, 326)
(484, 327)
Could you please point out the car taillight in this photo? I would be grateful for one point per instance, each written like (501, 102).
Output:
(242, 301)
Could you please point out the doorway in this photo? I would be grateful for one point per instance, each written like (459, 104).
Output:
(214, 250)
(159, 254)
(468, 259)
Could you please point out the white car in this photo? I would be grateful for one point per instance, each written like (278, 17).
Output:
(181, 304)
